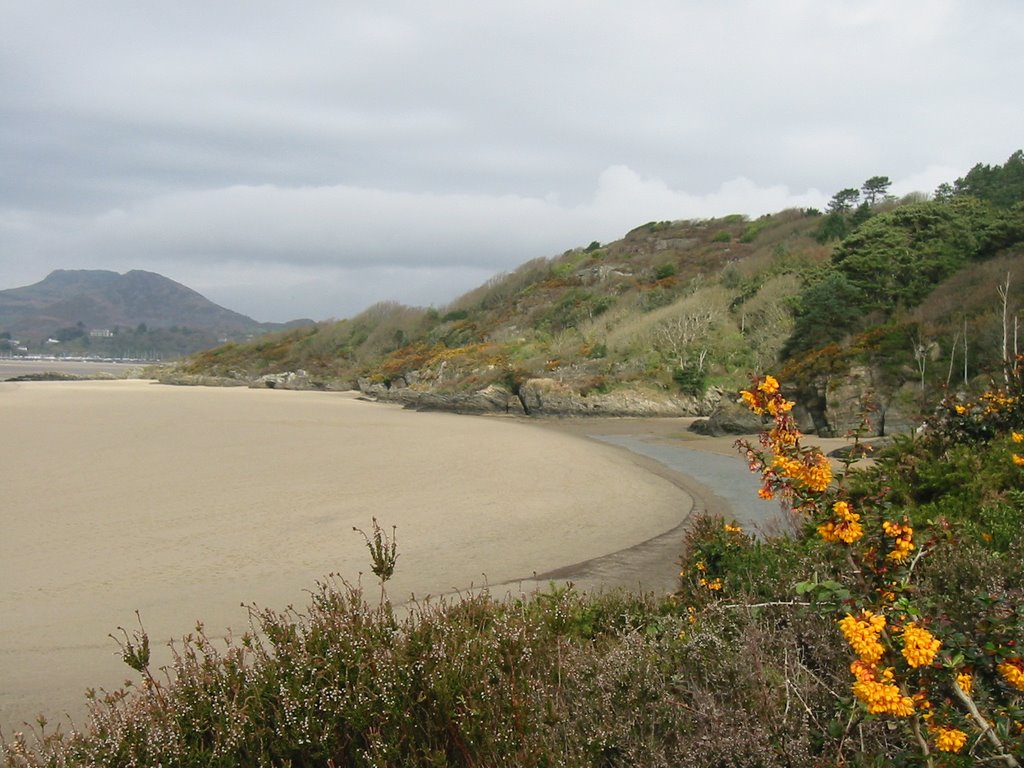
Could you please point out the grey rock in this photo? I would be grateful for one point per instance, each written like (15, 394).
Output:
(730, 418)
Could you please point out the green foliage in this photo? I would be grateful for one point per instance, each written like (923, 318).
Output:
(665, 270)
(834, 226)
(753, 229)
(656, 297)
(875, 188)
(1002, 186)
(827, 310)
(843, 200)
(898, 257)
(692, 380)
(888, 257)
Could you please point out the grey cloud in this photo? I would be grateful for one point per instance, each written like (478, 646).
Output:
(270, 139)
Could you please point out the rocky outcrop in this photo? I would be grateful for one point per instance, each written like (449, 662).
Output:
(491, 399)
(839, 405)
(730, 418)
(552, 398)
(287, 380)
(178, 379)
(542, 397)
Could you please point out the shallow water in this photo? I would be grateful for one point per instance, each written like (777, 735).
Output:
(728, 476)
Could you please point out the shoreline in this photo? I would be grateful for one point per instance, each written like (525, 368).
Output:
(187, 502)
(599, 543)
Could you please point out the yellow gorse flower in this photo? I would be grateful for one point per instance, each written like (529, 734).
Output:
(966, 682)
(732, 528)
(948, 739)
(846, 528)
(904, 540)
(1017, 437)
(1012, 671)
(818, 474)
(919, 646)
(1018, 460)
(881, 696)
(751, 401)
(862, 633)
(813, 471)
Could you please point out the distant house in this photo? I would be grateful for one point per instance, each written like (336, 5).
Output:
(101, 333)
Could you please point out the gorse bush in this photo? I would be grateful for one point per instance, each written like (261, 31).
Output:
(952, 676)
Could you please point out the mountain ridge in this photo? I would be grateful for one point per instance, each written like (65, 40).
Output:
(70, 305)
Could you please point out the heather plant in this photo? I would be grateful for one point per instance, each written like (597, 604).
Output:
(554, 679)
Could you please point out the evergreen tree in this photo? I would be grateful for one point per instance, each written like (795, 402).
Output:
(875, 189)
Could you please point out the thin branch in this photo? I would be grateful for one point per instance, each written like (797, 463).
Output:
(987, 730)
(765, 605)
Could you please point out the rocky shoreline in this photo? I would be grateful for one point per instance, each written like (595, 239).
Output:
(534, 397)
(835, 410)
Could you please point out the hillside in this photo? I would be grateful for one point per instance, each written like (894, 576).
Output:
(102, 311)
(882, 292)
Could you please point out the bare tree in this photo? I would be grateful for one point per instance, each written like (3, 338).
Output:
(678, 336)
(952, 359)
(920, 355)
(1004, 295)
(965, 350)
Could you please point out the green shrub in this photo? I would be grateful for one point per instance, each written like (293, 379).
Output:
(691, 380)
(665, 270)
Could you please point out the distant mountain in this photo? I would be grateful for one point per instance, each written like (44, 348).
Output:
(70, 304)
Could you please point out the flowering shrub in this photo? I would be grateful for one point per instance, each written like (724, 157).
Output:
(954, 685)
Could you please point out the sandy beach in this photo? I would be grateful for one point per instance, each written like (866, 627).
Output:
(185, 503)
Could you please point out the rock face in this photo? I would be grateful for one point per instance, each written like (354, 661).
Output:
(542, 397)
(837, 405)
(730, 418)
(287, 380)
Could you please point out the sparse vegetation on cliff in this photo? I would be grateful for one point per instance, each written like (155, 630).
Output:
(903, 289)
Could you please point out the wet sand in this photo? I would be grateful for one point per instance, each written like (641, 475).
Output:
(184, 503)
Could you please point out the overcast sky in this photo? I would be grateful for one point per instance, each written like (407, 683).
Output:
(308, 159)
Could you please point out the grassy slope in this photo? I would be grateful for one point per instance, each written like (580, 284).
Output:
(604, 315)
(722, 295)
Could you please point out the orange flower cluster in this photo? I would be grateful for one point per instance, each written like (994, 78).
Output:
(732, 528)
(997, 402)
(862, 633)
(1012, 671)
(811, 471)
(919, 646)
(948, 739)
(846, 528)
(765, 398)
(877, 691)
(966, 682)
(904, 540)
(714, 585)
